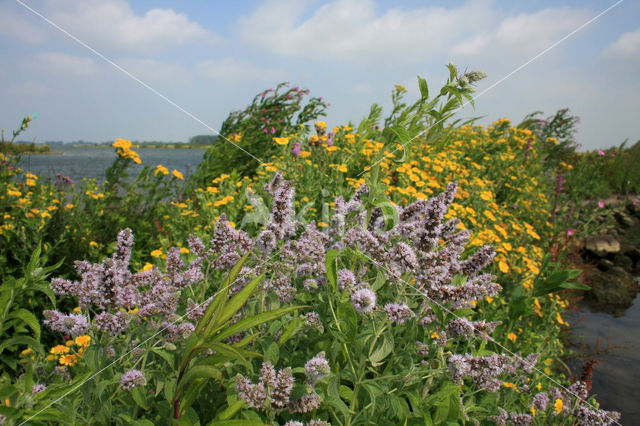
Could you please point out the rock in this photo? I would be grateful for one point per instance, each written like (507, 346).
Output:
(625, 220)
(605, 264)
(632, 253)
(624, 262)
(603, 245)
(612, 292)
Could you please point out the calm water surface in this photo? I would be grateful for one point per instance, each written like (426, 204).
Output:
(91, 163)
(616, 379)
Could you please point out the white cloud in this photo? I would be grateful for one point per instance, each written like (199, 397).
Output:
(229, 69)
(28, 88)
(18, 26)
(62, 63)
(351, 30)
(112, 24)
(627, 46)
(152, 71)
(526, 33)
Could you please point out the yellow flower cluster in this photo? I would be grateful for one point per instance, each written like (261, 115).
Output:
(123, 148)
(71, 352)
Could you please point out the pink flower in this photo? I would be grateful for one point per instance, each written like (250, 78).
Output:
(273, 129)
(295, 151)
(600, 152)
(601, 204)
(570, 231)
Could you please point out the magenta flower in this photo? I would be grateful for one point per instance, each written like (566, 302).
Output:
(273, 130)
(600, 152)
(295, 151)
(601, 204)
(570, 232)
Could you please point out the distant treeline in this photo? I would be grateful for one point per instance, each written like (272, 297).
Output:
(22, 147)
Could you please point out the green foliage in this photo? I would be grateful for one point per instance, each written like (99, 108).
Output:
(250, 132)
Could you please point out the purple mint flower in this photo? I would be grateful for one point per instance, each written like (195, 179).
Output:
(364, 300)
(253, 395)
(268, 375)
(346, 279)
(72, 324)
(295, 151)
(283, 388)
(37, 388)
(317, 368)
(330, 137)
(131, 379)
(305, 403)
(540, 401)
(399, 313)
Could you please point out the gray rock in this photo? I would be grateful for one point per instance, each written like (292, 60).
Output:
(625, 220)
(603, 245)
(624, 262)
(612, 292)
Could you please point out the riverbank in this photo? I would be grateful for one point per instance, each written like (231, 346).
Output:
(605, 322)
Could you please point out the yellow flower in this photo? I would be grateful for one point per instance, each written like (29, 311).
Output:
(122, 144)
(512, 337)
(281, 141)
(31, 182)
(322, 224)
(177, 174)
(26, 351)
(503, 267)
(93, 244)
(68, 359)
(161, 169)
(77, 309)
(490, 215)
(304, 154)
(509, 385)
(59, 349)
(342, 168)
(533, 410)
(435, 335)
(184, 250)
(321, 124)
(558, 406)
(156, 253)
(83, 340)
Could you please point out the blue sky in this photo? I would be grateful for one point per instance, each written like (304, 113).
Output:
(212, 57)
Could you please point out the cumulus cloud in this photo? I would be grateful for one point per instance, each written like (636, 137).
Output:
(351, 29)
(14, 24)
(62, 64)
(230, 69)
(113, 24)
(627, 46)
(525, 33)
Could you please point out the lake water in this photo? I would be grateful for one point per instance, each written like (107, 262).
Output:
(78, 163)
(616, 379)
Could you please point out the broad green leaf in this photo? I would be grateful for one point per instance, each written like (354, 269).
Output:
(229, 411)
(21, 340)
(167, 356)
(28, 318)
(237, 301)
(382, 350)
(252, 321)
(198, 372)
(332, 268)
(221, 297)
(424, 89)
